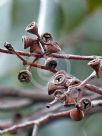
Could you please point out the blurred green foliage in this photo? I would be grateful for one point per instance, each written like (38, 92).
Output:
(94, 4)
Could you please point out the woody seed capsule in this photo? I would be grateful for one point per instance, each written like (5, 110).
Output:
(76, 114)
(24, 76)
(51, 63)
(59, 79)
(32, 28)
(84, 104)
(95, 65)
(45, 37)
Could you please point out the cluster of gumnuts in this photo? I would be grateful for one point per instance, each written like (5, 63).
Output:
(40, 44)
(58, 87)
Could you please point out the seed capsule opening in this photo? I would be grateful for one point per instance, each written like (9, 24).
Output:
(45, 37)
(24, 76)
(84, 104)
(51, 63)
(32, 28)
(59, 79)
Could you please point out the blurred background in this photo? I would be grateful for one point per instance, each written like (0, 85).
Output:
(77, 25)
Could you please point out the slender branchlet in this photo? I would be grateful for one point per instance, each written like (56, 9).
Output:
(63, 88)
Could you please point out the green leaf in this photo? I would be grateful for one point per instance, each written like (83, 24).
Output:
(94, 4)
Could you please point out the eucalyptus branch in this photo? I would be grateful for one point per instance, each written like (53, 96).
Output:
(62, 87)
(83, 83)
(54, 55)
(38, 122)
(21, 93)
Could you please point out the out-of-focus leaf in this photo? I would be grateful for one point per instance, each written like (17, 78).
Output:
(74, 11)
(90, 125)
(94, 4)
(63, 128)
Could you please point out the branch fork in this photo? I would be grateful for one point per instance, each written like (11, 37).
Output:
(62, 84)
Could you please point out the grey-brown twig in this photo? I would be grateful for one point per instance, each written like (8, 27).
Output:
(29, 94)
(62, 85)
(40, 121)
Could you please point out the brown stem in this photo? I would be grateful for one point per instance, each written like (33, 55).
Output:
(54, 55)
(94, 89)
(83, 83)
(73, 57)
(41, 67)
(35, 59)
(40, 121)
(20, 93)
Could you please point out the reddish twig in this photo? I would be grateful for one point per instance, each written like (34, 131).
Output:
(45, 47)
(54, 55)
(89, 78)
(40, 121)
(41, 67)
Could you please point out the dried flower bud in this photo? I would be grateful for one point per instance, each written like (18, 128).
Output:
(8, 46)
(51, 63)
(76, 114)
(60, 79)
(52, 47)
(53, 87)
(59, 94)
(84, 104)
(27, 41)
(46, 37)
(36, 48)
(69, 100)
(95, 65)
(32, 28)
(32, 43)
(24, 76)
